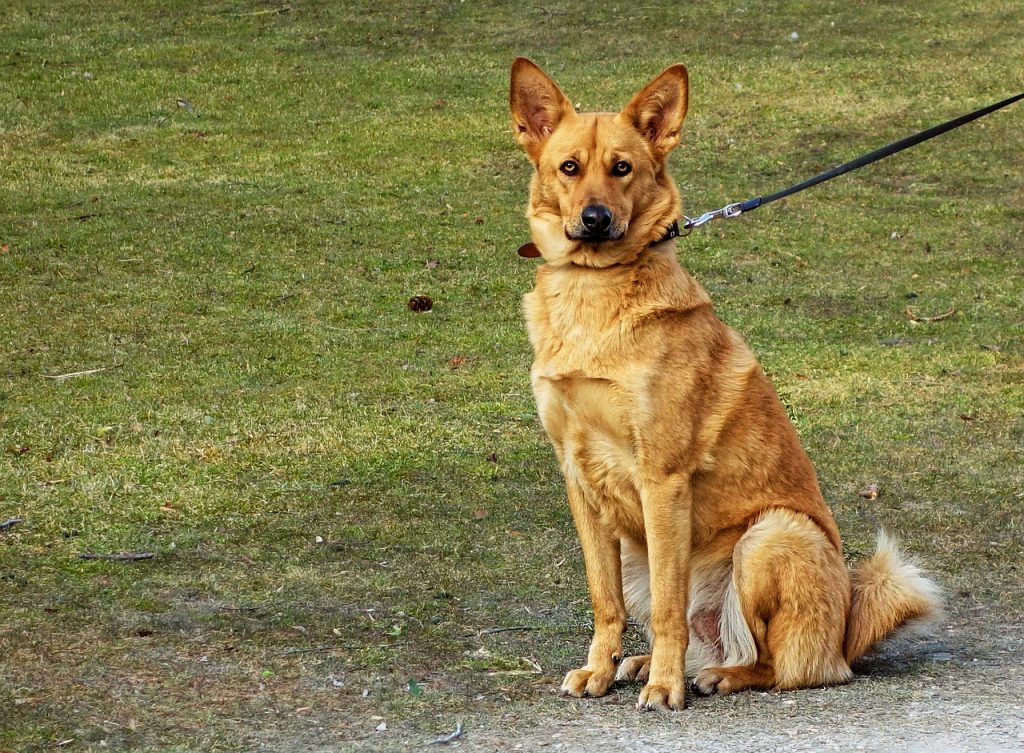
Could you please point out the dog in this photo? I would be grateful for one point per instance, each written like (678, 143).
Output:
(698, 511)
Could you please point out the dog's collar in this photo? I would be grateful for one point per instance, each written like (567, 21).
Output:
(672, 231)
(530, 250)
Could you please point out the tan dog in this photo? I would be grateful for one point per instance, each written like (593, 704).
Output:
(698, 511)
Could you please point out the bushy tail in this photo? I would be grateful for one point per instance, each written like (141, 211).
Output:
(888, 593)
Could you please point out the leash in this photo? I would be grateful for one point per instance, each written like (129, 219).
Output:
(529, 250)
(742, 207)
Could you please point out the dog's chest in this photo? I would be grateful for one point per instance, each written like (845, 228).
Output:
(589, 397)
(591, 424)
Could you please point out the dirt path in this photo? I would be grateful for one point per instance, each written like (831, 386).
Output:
(961, 694)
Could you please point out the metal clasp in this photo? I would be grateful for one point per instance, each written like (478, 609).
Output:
(725, 213)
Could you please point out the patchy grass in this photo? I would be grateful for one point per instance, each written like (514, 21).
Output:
(221, 210)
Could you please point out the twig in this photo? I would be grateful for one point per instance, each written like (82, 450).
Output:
(492, 631)
(9, 523)
(116, 556)
(536, 666)
(247, 184)
(445, 739)
(268, 12)
(73, 374)
(336, 647)
(317, 649)
(914, 317)
(180, 103)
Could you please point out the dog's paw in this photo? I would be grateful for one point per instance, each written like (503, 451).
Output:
(635, 669)
(710, 681)
(585, 682)
(662, 697)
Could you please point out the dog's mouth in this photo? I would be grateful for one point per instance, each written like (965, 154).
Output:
(583, 235)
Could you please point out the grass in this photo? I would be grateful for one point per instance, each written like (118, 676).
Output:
(223, 208)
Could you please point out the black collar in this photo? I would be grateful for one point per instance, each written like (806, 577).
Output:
(672, 231)
(530, 250)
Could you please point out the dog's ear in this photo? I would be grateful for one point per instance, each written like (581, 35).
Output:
(657, 110)
(537, 105)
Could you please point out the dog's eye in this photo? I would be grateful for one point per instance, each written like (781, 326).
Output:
(569, 167)
(621, 168)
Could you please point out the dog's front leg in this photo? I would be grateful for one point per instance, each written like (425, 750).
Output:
(604, 576)
(667, 527)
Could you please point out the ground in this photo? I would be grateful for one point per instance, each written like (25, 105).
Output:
(212, 220)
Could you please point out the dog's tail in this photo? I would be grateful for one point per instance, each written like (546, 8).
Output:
(889, 593)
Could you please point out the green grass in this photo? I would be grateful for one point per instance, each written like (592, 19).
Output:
(309, 465)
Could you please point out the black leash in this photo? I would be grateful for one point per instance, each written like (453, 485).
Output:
(735, 210)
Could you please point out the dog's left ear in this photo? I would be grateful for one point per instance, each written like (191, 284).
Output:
(658, 110)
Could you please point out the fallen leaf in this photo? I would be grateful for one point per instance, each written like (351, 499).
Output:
(5, 248)
(456, 361)
(871, 492)
(479, 514)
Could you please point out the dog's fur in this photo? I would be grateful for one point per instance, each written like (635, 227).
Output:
(698, 511)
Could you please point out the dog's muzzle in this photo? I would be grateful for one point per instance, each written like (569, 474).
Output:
(596, 224)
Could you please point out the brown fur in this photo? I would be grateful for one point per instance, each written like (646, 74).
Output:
(697, 509)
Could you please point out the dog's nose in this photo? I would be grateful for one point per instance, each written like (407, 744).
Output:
(597, 219)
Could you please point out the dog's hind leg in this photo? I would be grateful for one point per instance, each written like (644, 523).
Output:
(784, 616)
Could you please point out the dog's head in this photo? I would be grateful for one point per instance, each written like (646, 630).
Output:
(600, 194)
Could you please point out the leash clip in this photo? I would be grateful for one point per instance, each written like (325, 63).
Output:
(725, 213)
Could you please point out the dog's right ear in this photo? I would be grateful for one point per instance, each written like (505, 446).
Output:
(537, 105)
